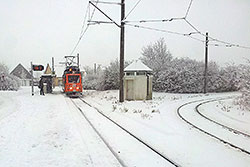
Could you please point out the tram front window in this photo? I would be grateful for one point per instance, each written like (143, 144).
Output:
(73, 79)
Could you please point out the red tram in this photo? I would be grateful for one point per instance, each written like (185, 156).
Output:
(72, 81)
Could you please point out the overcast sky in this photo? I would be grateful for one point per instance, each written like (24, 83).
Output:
(36, 30)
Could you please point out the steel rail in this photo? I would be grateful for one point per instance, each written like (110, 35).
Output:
(207, 133)
(97, 132)
(224, 126)
(137, 138)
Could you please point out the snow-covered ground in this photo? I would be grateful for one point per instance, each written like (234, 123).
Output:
(227, 113)
(50, 131)
(41, 131)
(158, 124)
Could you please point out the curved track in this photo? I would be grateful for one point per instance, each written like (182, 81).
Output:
(128, 132)
(224, 126)
(203, 131)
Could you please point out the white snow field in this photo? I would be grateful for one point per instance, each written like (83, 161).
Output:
(49, 131)
(41, 131)
(158, 123)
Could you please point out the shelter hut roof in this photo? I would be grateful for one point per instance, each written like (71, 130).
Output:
(137, 66)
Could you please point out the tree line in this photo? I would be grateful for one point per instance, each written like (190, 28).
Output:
(176, 75)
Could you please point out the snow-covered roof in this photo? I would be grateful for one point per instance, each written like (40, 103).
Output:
(137, 66)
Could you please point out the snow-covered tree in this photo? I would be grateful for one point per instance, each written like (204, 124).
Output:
(244, 84)
(7, 81)
(110, 78)
(157, 57)
(92, 80)
(184, 75)
(4, 69)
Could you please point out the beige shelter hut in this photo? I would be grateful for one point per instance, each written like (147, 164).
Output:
(57, 81)
(138, 82)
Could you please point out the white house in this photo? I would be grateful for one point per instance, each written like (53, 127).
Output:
(23, 75)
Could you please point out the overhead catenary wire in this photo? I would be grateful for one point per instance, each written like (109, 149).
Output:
(106, 2)
(105, 14)
(127, 23)
(189, 6)
(226, 44)
(93, 22)
(96, 2)
(83, 31)
(154, 21)
(167, 31)
(85, 19)
(132, 9)
(80, 38)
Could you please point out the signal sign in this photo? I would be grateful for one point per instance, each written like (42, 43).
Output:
(38, 67)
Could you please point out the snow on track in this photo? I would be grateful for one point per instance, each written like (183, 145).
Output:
(168, 133)
(188, 113)
(226, 113)
(99, 153)
(132, 152)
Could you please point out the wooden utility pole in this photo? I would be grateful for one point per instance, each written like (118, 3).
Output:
(206, 57)
(32, 80)
(53, 66)
(95, 68)
(121, 93)
(121, 26)
(78, 60)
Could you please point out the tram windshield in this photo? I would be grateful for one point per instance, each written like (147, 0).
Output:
(73, 78)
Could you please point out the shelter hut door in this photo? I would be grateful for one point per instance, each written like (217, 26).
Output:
(130, 90)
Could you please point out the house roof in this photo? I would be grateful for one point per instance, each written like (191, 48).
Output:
(137, 66)
(21, 72)
(48, 70)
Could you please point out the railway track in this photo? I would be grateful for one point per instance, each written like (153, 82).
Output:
(216, 122)
(97, 132)
(203, 131)
(126, 131)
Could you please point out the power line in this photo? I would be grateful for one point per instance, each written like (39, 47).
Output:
(80, 38)
(132, 9)
(93, 22)
(155, 29)
(96, 2)
(226, 44)
(83, 31)
(157, 20)
(105, 14)
(188, 8)
(167, 31)
(191, 25)
(105, 2)
(85, 18)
